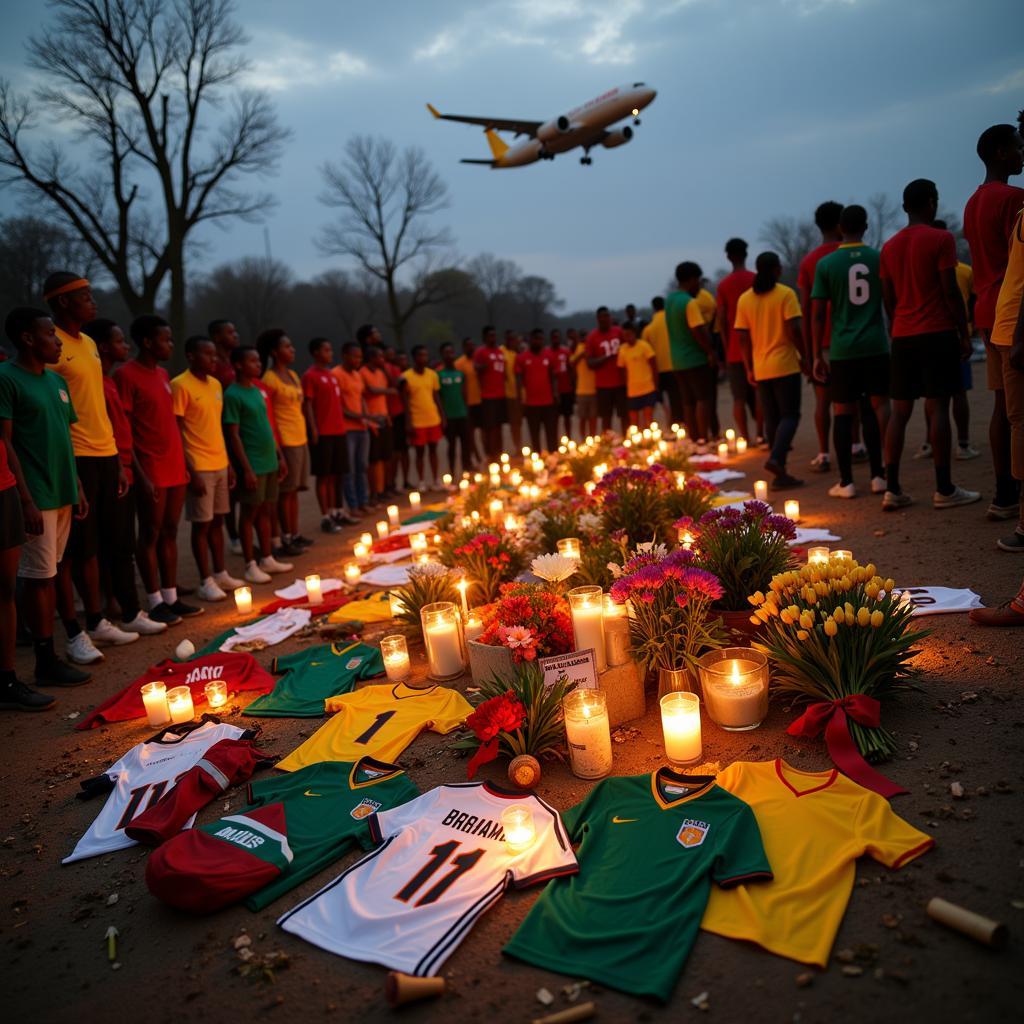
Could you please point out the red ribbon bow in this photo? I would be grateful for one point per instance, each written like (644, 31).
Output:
(831, 716)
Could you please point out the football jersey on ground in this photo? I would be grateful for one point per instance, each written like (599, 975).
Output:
(379, 721)
(815, 825)
(141, 777)
(650, 846)
(441, 865)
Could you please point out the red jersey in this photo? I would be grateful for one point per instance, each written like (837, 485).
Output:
(536, 369)
(912, 261)
(7, 479)
(321, 387)
(224, 372)
(988, 220)
(119, 422)
(728, 293)
(598, 343)
(146, 397)
(490, 365)
(563, 377)
(396, 404)
(805, 282)
(376, 405)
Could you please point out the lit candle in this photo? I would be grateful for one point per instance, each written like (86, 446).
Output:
(462, 586)
(478, 478)
(511, 523)
(474, 627)
(842, 555)
(723, 451)
(496, 507)
(817, 556)
(422, 558)
(504, 456)
(680, 723)
(442, 639)
(366, 538)
(393, 519)
(243, 600)
(515, 478)
(730, 439)
(526, 451)
(599, 471)
(616, 632)
(352, 572)
(734, 681)
(686, 539)
(741, 445)
(437, 539)
(474, 516)
(494, 469)
(517, 826)
(463, 486)
(588, 733)
(590, 487)
(216, 693)
(418, 542)
(505, 468)
(382, 529)
(154, 700)
(447, 481)
(313, 592)
(534, 491)
(680, 480)
(792, 509)
(586, 607)
(395, 652)
(495, 480)
(414, 500)
(361, 551)
(569, 547)
(761, 490)
(395, 605)
(179, 704)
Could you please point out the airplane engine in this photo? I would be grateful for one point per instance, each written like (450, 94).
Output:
(618, 137)
(553, 129)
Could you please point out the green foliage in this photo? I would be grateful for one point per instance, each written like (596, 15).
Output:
(422, 590)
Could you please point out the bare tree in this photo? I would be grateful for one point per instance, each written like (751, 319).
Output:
(30, 248)
(387, 200)
(496, 279)
(137, 81)
(539, 296)
(255, 289)
(884, 218)
(955, 225)
(792, 239)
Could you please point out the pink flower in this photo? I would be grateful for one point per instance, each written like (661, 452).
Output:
(520, 640)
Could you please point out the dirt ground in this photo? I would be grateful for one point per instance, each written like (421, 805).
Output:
(966, 725)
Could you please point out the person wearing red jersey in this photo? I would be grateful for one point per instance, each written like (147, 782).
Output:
(563, 381)
(395, 364)
(730, 288)
(382, 448)
(224, 336)
(535, 370)
(357, 427)
(489, 363)
(326, 428)
(988, 221)
(602, 348)
(929, 339)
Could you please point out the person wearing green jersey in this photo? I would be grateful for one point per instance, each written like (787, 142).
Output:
(692, 351)
(847, 286)
(454, 393)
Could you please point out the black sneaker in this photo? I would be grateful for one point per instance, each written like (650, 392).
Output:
(328, 525)
(184, 611)
(290, 550)
(785, 482)
(302, 542)
(58, 673)
(17, 696)
(163, 612)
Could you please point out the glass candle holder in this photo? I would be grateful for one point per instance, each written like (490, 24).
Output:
(442, 637)
(154, 700)
(841, 555)
(395, 605)
(734, 681)
(723, 451)
(179, 704)
(382, 529)
(414, 500)
(352, 572)
(243, 600)
(792, 510)
(395, 651)
(216, 693)
(569, 547)
(680, 724)
(588, 733)
(761, 490)
(314, 595)
(586, 605)
(418, 543)
(730, 440)
(393, 519)
(616, 632)
(366, 538)
(817, 555)
(741, 445)
(447, 481)
(474, 627)
(361, 551)
(518, 828)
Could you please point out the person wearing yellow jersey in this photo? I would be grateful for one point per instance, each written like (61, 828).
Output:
(513, 398)
(99, 470)
(656, 335)
(586, 383)
(286, 399)
(474, 400)
(709, 310)
(420, 388)
(638, 360)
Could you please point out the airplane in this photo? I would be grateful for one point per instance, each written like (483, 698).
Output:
(588, 125)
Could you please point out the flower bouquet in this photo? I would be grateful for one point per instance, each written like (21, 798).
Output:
(529, 622)
(692, 499)
(429, 582)
(554, 570)
(488, 561)
(633, 500)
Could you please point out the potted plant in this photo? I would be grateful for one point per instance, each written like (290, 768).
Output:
(633, 500)
(429, 583)
(488, 560)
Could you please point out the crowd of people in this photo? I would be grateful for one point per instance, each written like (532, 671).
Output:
(103, 452)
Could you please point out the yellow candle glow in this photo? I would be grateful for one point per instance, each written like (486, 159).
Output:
(352, 572)
(494, 469)
(243, 600)
(723, 450)
(366, 538)
(361, 551)
(741, 445)
(395, 605)
(478, 478)
(437, 539)
(496, 507)
(817, 556)
(761, 490)
(616, 632)
(462, 586)
(841, 555)
(216, 693)
(680, 724)
(586, 605)
(495, 480)
(474, 516)
(518, 828)
(422, 558)
(590, 487)
(569, 547)
(447, 479)
(393, 519)
(792, 509)
(418, 543)
(443, 640)
(534, 491)
(588, 733)
(179, 704)
(734, 681)
(414, 500)
(526, 451)
(504, 456)
(511, 523)
(395, 652)
(382, 529)
(474, 627)
(730, 439)
(313, 592)
(154, 700)
(463, 485)
(515, 478)
(686, 539)
(680, 480)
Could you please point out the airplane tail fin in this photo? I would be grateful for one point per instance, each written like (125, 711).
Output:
(433, 110)
(499, 147)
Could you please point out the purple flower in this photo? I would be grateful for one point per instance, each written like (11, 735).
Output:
(782, 525)
(702, 583)
(755, 508)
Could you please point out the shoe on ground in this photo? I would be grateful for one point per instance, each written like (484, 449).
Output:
(998, 513)
(964, 452)
(107, 633)
(785, 482)
(273, 566)
(82, 651)
(821, 463)
(235, 546)
(347, 519)
(144, 625)
(878, 485)
(164, 613)
(960, 496)
(1005, 615)
(254, 574)
(186, 611)
(842, 491)
(893, 500)
(226, 581)
(924, 452)
(859, 453)
(55, 672)
(210, 591)
(329, 525)
(17, 696)
(290, 550)
(302, 542)
(1014, 543)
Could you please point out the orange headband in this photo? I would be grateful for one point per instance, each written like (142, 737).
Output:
(71, 286)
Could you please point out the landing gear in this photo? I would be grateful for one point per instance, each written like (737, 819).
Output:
(586, 160)
(636, 120)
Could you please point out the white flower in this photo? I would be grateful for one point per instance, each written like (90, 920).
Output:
(428, 569)
(589, 523)
(648, 547)
(615, 570)
(554, 568)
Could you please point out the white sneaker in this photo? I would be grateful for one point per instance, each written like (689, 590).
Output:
(210, 591)
(892, 501)
(842, 491)
(272, 565)
(226, 581)
(878, 485)
(235, 546)
(82, 651)
(254, 574)
(960, 496)
(107, 633)
(924, 452)
(965, 452)
(144, 625)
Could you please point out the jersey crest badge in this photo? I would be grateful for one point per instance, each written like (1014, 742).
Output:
(692, 833)
(353, 663)
(365, 808)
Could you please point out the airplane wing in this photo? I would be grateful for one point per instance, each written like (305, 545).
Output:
(502, 124)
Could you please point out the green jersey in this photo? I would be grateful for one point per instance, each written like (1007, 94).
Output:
(682, 313)
(849, 281)
(313, 675)
(41, 413)
(650, 847)
(247, 407)
(452, 399)
(327, 808)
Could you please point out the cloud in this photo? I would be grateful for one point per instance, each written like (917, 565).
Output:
(1013, 82)
(294, 63)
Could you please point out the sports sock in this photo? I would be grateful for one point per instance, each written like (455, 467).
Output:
(1007, 490)
(71, 627)
(872, 442)
(169, 594)
(154, 599)
(944, 480)
(842, 433)
(93, 619)
(892, 477)
(44, 651)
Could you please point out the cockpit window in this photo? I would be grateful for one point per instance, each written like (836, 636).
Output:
(638, 85)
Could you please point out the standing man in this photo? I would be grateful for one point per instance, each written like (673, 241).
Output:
(421, 390)
(326, 427)
(693, 354)
(357, 427)
(489, 363)
(586, 385)
(638, 360)
(513, 396)
(198, 405)
(656, 335)
(563, 382)
(602, 349)
(382, 448)
(225, 338)
(473, 402)
(929, 339)
(368, 335)
(535, 370)
(730, 288)
(847, 293)
(988, 222)
(454, 390)
(395, 364)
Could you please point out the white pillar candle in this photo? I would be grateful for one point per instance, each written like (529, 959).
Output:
(817, 556)
(680, 723)
(462, 586)
(216, 693)
(366, 538)
(362, 552)
(313, 592)
(616, 632)
(447, 480)
(474, 627)
(511, 523)
(586, 607)
(393, 519)
(734, 681)
(569, 547)
(382, 529)
(463, 486)
(496, 508)
(395, 652)
(588, 733)
(741, 445)
(723, 451)
(518, 828)
(761, 490)
(352, 572)
(414, 500)
(792, 509)
(179, 704)
(243, 600)
(442, 639)
(841, 555)
(154, 700)
(495, 480)
(418, 543)
(730, 439)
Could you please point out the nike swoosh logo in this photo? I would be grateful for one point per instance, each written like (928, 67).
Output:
(622, 821)
(308, 793)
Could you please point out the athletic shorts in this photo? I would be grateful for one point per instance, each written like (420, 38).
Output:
(862, 375)
(420, 436)
(296, 458)
(638, 402)
(925, 366)
(399, 432)
(382, 444)
(476, 416)
(214, 501)
(12, 525)
(267, 489)
(494, 413)
(697, 384)
(98, 475)
(566, 402)
(327, 456)
(610, 401)
(586, 407)
(42, 551)
(739, 386)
